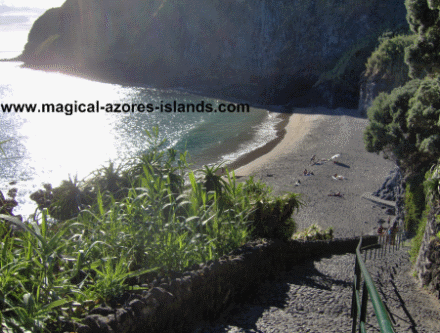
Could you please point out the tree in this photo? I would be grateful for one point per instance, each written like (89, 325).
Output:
(423, 57)
(405, 123)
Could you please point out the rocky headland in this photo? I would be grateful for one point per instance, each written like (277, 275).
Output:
(270, 52)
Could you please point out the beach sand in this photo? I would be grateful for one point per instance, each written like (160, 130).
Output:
(324, 133)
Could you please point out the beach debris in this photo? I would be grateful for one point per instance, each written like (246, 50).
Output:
(336, 194)
(338, 177)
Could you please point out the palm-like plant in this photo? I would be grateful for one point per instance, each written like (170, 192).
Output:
(213, 181)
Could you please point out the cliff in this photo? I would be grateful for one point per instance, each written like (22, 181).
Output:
(306, 52)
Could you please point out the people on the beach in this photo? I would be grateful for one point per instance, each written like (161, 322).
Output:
(335, 158)
(338, 177)
(380, 230)
(392, 233)
(307, 173)
(313, 160)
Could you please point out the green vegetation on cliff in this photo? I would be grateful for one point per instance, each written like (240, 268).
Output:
(388, 59)
(423, 56)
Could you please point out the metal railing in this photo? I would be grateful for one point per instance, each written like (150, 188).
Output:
(359, 306)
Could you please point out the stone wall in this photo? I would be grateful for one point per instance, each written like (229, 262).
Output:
(178, 304)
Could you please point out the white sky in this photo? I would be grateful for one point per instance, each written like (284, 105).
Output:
(44, 4)
(16, 19)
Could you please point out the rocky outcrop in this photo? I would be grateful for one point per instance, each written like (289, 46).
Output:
(393, 189)
(308, 52)
(177, 304)
(427, 265)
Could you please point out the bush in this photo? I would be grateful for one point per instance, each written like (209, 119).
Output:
(418, 238)
(388, 59)
(272, 217)
(423, 56)
(414, 202)
(404, 124)
(314, 232)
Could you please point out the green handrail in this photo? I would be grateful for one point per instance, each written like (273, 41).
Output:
(358, 307)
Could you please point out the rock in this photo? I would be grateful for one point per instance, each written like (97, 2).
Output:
(98, 323)
(162, 296)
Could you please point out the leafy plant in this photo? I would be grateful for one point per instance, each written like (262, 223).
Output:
(314, 232)
(161, 224)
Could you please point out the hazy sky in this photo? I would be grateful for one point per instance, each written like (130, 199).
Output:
(45, 4)
(16, 19)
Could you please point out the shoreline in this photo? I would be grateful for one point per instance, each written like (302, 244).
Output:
(293, 130)
(280, 112)
(257, 153)
(241, 161)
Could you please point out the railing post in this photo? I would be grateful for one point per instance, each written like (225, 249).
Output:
(359, 307)
(363, 317)
(356, 282)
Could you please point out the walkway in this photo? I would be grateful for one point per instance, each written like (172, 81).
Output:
(316, 297)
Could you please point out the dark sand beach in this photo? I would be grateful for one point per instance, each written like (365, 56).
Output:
(325, 133)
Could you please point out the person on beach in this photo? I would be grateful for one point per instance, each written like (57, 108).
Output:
(380, 230)
(335, 158)
(393, 232)
(305, 172)
(313, 160)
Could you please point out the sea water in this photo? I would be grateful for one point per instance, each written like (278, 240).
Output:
(50, 147)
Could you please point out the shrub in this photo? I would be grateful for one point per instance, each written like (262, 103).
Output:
(404, 124)
(314, 232)
(418, 238)
(388, 59)
(414, 202)
(272, 217)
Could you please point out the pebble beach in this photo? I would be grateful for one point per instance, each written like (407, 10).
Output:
(325, 133)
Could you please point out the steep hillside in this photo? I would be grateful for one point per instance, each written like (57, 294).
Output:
(266, 50)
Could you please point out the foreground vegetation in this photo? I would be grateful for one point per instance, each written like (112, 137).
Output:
(167, 220)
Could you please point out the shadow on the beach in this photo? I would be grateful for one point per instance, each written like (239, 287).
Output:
(320, 110)
(274, 293)
(342, 164)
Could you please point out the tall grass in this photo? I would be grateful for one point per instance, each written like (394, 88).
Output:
(53, 274)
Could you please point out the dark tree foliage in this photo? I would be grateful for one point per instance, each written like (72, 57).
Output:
(423, 57)
(406, 123)
(424, 118)
(388, 129)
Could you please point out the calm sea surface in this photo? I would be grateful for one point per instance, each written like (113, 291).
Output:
(48, 147)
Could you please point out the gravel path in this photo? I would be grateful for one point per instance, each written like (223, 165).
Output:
(316, 297)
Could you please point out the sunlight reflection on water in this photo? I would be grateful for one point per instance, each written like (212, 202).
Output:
(48, 147)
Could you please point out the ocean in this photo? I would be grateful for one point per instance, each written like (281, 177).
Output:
(52, 146)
